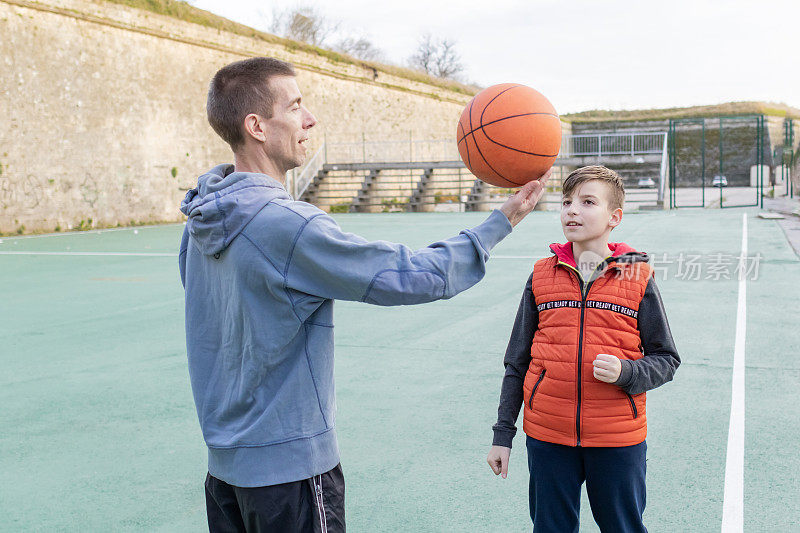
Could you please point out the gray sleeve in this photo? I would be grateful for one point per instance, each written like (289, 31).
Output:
(330, 263)
(516, 361)
(661, 358)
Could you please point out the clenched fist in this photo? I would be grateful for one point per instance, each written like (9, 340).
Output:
(498, 460)
(607, 367)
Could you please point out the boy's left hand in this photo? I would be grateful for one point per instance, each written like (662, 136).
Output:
(607, 367)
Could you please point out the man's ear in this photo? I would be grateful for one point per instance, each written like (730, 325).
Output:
(254, 127)
(615, 218)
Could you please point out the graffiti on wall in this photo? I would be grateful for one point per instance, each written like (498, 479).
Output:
(22, 194)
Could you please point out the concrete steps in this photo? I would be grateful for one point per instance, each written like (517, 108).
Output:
(444, 186)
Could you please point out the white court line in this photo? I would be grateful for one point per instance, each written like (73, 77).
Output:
(155, 254)
(95, 254)
(10, 238)
(733, 499)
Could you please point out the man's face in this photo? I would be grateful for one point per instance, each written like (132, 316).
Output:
(586, 215)
(287, 129)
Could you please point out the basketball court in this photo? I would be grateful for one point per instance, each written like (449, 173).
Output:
(101, 431)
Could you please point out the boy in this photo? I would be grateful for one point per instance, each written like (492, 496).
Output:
(590, 337)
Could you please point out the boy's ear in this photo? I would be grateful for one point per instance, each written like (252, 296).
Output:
(616, 218)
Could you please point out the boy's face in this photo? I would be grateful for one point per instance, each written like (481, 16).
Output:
(587, 215)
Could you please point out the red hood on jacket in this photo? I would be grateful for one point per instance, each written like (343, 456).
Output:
(617, 250)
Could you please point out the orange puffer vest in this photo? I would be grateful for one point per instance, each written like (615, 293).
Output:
(564, 402)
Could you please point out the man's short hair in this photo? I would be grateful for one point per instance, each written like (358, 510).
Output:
(239, 89)
(616, 196)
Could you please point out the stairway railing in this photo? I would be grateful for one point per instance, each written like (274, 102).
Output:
(301, 181)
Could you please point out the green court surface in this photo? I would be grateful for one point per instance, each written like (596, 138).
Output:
(99, 430)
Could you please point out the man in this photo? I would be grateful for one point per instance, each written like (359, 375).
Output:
(261, 271)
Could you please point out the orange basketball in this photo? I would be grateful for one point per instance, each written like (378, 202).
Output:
(509, 134)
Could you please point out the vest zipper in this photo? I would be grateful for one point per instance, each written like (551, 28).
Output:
(536, 386)
(584, 296)
(633, 406)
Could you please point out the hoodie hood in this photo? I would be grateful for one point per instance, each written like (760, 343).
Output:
(619, 253)
(224, 202)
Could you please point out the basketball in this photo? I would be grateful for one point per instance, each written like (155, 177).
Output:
(508, 135)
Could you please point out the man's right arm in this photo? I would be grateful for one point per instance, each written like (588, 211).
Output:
(330, 263)
(516, 361)
(327, 262)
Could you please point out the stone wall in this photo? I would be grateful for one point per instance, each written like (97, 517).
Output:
(102, 110)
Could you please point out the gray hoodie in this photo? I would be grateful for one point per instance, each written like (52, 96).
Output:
(260, 272)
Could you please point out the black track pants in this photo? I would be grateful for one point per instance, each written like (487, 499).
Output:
(314, 505)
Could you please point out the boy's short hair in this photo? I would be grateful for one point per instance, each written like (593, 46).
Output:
(239, 89)
(616, 197)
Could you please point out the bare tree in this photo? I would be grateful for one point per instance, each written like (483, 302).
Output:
(303, 23)
(424, 58)
(277, 21)
(437, 57)
(448, 63)
(360, 48)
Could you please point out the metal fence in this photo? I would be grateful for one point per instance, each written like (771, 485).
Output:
(391, 151)
(720, 161)
(605, 144)
(596, 145)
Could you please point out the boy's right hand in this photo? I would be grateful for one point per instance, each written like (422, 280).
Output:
(498, 460)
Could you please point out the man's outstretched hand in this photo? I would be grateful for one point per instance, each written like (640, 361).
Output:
(524, 200)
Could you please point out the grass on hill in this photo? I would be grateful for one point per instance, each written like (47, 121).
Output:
(730, 108)
(183, 11)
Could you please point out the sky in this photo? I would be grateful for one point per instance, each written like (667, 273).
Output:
(584, 54)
